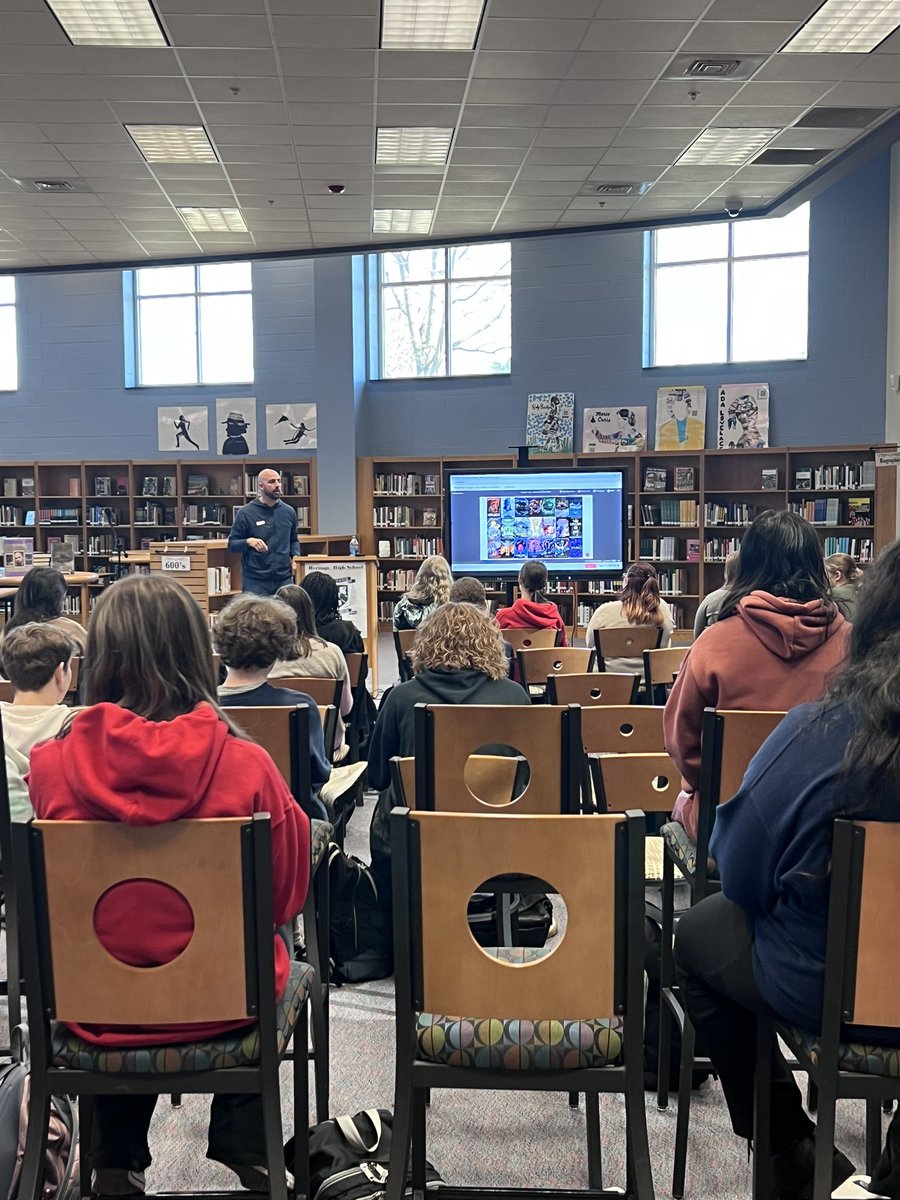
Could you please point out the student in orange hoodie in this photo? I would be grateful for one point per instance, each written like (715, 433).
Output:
(533, 610)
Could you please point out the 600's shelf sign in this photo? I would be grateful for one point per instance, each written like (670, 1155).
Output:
(172, 562)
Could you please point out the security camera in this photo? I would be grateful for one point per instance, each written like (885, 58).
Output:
(337, 189)
(734, 208)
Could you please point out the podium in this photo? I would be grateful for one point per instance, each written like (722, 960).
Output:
(357, 584)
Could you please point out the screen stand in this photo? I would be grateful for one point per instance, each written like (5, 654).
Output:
(510, 594)
(522, 453)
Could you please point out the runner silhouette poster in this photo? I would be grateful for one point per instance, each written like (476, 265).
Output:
(236, 425)
(183, 429)
(742, 418)
(291, 425)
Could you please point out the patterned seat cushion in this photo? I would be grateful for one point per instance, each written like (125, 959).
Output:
(238, 1048)
(495, 1044)
(682, 848)
(320, 834)
(853, 1056)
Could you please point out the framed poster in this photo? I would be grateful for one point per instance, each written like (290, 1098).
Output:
(290, 425)
(680, 418)
(236, 425)
(182, 429)
(614, 429)
(550, 423)
(350, 577)
(742, 418)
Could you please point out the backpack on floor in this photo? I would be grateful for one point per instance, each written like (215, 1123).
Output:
(362, 944)
(61, 1169)
(532, 915)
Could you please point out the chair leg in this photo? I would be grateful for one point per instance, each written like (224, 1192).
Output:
(32, 1177)
(419, 1136)
(666, 971)
(682, 1125)
(317, 1001)
(403, 1103)
(300, 1068)
(873, 1134)
(639, 1182)
(762, 1093)
(825, 1118)
(85, 1138)
(812, 1095)
(573, 1099)
(594, 1147)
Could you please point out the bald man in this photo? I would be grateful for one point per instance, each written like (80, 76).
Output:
(264, 533)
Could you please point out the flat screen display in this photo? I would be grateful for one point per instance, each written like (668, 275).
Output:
(572, 520)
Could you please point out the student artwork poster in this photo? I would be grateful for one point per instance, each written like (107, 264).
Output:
(550, 422)
(680, 418)
(550, 527)
(289, 425)
(182, 429)
(742, 418)
(614, 429)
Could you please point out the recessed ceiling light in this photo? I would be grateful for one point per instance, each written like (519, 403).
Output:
(108, 22)
(213, 220)
(846, 27)
(415, 146)
(402, 220)
(726, 147)
(173, 143)
(430, 24)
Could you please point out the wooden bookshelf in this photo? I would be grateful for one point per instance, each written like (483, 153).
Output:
(209, 572)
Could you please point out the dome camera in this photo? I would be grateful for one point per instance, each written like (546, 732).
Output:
(734, 208)
(337, 189)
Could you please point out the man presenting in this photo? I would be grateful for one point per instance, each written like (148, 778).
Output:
(265, 535)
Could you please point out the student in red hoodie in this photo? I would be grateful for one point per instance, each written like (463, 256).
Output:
(533, 610)
(153, 746)
(778, 638)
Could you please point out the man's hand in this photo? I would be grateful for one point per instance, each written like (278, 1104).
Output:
(257, 544)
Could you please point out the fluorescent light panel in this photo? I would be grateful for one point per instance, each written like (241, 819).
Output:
(108, 22)
(415, 146)
(846, 27)
(402, 220)
(430, 24)
(173, 143)
(213, 220)
(726, 147)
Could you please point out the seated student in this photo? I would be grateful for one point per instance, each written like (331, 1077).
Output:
(323, 592)
(313, 656)
(639, 603)
(40, 598)
(778, 638)
(533, 610)
(760, 943)
(431, 589)
(845, 578)
(469, 590)
(37, 660)
(708, 610)
(152, 747)
(252, 632)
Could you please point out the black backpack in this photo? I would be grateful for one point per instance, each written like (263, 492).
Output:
(61, 1173)
(362, 945)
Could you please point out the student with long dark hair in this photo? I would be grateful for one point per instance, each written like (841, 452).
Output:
(778, 638)
(40, 598)
(759, 945)
(153, 746)
(638, 603)
(323, 592)
(533, 610)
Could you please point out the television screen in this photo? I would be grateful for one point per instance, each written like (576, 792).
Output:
(573, 520)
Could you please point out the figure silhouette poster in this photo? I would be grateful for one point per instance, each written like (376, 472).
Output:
(236, 425)
(614, 429)
(742, 419)
(291, 425)
(550, 423)
(680, 418)
(184, 430)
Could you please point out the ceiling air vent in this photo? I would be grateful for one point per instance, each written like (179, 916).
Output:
(789, 158)
(714, 66)
(839, 118)
(53, 185)
(614, 189)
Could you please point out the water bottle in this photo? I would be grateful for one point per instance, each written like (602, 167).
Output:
(354, 546)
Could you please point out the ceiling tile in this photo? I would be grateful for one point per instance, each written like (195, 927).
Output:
(484, 156)
(809, 66)
(425, 64)
(145, 114)
(494, 115)
(563, 155)
(693, 93)
(658, 116)
(252, 90)
(667, 139)
(878, 68)
(522, 64)
(565, 10)
(220, 30)
(227, 63)
(109, 131)
(509, 91)
(248, 156)
(574, 116)
(461, 174)
(494, 136)
(333, 135)
(740, 37)
(348, 33)
(618, 65)
(636, 156)
(597, 91)
(788, 94)
(564, 173)
(329, 114)
(797, 11)
(737, 116)
(49, 87)
(576, 137)
(865, 94)
(259, 135)
(643, 36)
(436, 116)
(327, 62)
(549, 34)
(20, 131)
(319, 90)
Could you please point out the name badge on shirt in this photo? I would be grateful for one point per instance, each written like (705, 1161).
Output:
(260, 522)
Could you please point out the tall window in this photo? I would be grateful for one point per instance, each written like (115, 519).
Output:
(9, 359)
(444, 311)
(193, 324)
(732, 292)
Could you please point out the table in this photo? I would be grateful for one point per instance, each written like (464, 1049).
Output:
(80, 579)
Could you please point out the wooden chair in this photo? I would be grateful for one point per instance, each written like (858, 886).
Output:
(358, 668)
(860, 990)
(592, 688)
(439, 860)
(11, 986)
(530, 639)
(496, 779)
(650, 782)
(536, 665)
(322, 690)
(628, 642)
(226, 973)
(403, 781)
(729, 740)
(328, 715)
(623, 729)
(660, 669)
(403, 640)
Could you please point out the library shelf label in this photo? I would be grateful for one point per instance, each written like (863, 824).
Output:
(175, 562)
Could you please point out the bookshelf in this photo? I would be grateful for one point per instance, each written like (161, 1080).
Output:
(684, 517)
(206, 569)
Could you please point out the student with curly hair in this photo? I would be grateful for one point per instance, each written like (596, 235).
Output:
(431, 589)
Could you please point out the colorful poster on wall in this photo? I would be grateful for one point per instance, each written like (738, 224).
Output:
(614, 429)
(236, 425)
(182, 429)
(680, 418)
(550, 422)
(742, 419)
(350, 577)
(290, 425)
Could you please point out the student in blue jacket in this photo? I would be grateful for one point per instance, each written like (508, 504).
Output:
(759, 945)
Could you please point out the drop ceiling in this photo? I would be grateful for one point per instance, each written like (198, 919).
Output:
(546, 111)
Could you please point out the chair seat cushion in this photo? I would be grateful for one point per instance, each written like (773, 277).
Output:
(237, 1048)
(320, 834)
(516, 1045)
(852, 1056)
(680, 846)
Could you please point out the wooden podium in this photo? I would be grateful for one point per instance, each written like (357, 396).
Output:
(358, 588)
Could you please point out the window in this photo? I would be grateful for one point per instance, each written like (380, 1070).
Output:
(732, 292)
(9, 358)
(444, 311)
(192, 324)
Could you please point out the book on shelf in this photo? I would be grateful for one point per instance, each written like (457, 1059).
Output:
(62, 557)
(198, 485)
(10, 487)
(859, 510)
(693, 550)
(17, 556)
(684, 479)
(150, 486)
(29, 517)
(218, 580)
(803, 479)
(429, 516)
(102, 485)
(121, 485)
(169, 485)
(384, 548)
(74, 485)
(655, 479)
(769, 480)
(429, 485)
(300, 485)
(27, 485)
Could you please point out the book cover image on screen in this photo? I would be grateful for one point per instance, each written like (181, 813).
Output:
(571, 520)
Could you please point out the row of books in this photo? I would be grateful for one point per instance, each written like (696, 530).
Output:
(396, 581)
(11, 516)
(291, 485)
(862, 549)
(405, 484)
(668, 549)
(154, 514)
(18, 487)
(218, 580)
(827, 511)
(656, 479)
(397, 516)
(415, 547)
(106, 485)
(103, 543)
(718, 549)
(207, 514)
(71, 539)
(732, 513)
(60, 514)
(670, 512)
(841, 477)
(674, 582)
(153, 486)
